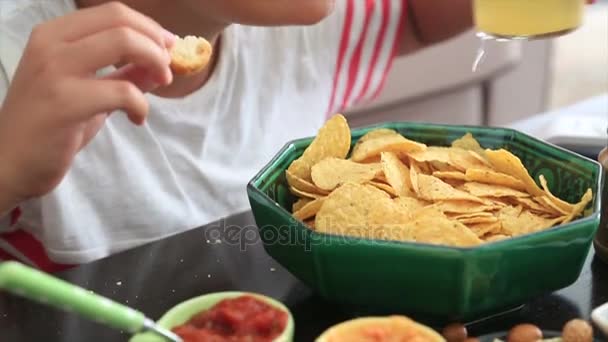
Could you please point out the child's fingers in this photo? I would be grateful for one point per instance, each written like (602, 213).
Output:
(105, 96)
(91, 128)
(137, 75)
(82, 23)
(118, 46)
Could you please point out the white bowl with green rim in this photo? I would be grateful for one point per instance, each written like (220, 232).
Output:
(184, 311)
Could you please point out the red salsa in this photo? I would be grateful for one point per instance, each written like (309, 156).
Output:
(240, 319)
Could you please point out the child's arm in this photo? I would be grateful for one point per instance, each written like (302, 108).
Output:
(55, 104)
(433, 21)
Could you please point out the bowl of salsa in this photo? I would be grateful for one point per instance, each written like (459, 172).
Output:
(227, 316)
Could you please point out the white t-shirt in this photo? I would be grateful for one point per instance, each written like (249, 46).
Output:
(190, 163)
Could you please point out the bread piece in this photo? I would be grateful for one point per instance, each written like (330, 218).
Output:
(190, 55)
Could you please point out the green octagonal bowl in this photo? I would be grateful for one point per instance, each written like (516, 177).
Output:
(442, 283)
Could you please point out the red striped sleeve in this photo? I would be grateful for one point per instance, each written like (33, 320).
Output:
(369, 41)
(356, 64)
(19, 245)
(394, 51)
(348, 21)
(376, 51)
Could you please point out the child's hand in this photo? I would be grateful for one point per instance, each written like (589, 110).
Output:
(56, 104)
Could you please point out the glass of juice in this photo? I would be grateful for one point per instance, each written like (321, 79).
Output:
(527, 19)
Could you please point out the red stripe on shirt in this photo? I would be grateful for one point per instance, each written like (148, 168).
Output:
(31, 248)
(396, 45)
(386, 10)
(15, 215)
(354, 71)
(348, 22)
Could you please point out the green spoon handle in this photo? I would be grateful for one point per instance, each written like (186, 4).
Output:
(35, 285)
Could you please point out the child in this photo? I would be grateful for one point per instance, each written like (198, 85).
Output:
(77, 184)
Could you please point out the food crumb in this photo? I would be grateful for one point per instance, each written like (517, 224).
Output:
(119, 283)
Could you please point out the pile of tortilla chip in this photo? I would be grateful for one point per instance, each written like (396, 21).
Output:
(393, 188)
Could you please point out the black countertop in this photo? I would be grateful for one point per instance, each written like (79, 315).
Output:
(155, 277)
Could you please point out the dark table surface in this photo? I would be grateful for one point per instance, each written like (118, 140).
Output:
(155, 277)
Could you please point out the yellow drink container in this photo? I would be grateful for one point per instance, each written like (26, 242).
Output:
(528, 18)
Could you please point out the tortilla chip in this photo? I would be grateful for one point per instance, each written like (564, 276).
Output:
(304, 194)
(524, 223)
(464, 160)
(506, 162)
(447, 175)
(579, 207)
(414, 171)
(384, 187)
(468, 142)
(496, 237)
(381, 177)
(456, 184)
(303, 185)
(387, 143)
(299, 204)
(462, 207)
(309, 209)
(397, 174)
(376, 133)
(432, 153)
(333, 172)
(485, 229)
(423, 167)
(434, 189)
(310, 224)
(410, 204)
(492, 177)
(432, 226)
(470, 215)
(348, 209)
(437, 166)
(535, 206)
(565, 206)
(490, 190)
(551, 205)
(478, 219)
(333, 140)
(481, 159)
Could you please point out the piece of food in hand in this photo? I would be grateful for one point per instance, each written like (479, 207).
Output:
(525, 333)
(380, 329)
(577, 330)
(455, 332)
(190, 55)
